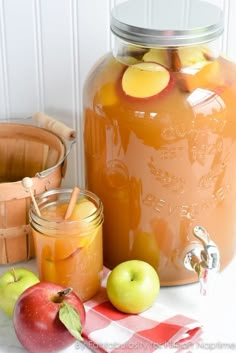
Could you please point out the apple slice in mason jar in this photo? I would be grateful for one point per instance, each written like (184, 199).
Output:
(145, 80)
(106, 96)
(159, 56)
(198, 69)
(201, 75)
(47, 266)
(128, 60)
(65, 246)
(84, 208)
(189, 56)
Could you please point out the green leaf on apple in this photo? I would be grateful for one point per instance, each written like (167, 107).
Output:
(69, 316)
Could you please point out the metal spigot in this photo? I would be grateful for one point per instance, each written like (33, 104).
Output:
(203, 258)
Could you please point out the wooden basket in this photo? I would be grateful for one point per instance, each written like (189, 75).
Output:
(25, 151)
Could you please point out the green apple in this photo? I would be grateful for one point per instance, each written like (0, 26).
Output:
(12, 284)
(133, 286)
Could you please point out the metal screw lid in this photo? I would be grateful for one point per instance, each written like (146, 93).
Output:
(167, 22)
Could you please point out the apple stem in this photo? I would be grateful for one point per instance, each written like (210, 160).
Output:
(64, 292)
(14, 274)
(58, 298)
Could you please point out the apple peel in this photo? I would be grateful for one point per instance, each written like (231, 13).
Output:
(145, 80)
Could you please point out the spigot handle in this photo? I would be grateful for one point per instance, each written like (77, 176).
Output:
(202, 235)
(210, 253)
(203, 258)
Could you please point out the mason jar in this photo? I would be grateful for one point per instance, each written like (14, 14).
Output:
(160, 139)
(69, 251)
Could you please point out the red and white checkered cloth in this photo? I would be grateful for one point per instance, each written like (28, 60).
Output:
(110, 331)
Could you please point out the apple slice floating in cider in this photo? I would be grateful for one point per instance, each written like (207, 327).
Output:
(197, 68)
(63, 250)
(107, 95)
(201, 75)
(128, 60)
(144, 80)
(159, 56)
(189, 56)
(83, 209)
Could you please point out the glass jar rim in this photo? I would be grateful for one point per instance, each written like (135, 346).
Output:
(151, 23)
(41, 223)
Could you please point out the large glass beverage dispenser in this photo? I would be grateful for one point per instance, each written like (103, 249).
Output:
(160, 139)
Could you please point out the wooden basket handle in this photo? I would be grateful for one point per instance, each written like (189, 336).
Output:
(55, 126)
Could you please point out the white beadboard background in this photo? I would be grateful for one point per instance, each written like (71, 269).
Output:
(47, 48)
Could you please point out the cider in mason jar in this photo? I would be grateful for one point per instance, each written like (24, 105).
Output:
(69, 252)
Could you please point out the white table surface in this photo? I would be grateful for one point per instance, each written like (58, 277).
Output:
(217, 313)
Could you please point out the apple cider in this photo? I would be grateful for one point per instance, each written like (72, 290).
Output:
(160, 144)
(69, 252)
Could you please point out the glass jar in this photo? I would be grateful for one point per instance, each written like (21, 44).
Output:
(160, 135)
(69, 252)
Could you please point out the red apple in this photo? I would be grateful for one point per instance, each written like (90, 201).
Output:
(48, 318)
